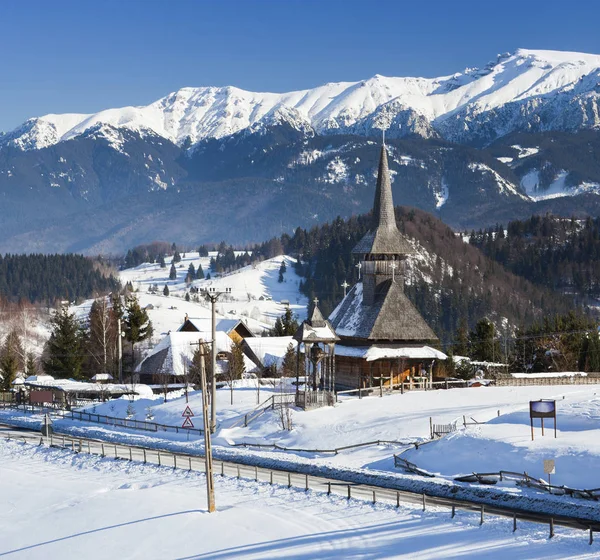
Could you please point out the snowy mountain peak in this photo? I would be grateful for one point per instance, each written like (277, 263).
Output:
(528, 88)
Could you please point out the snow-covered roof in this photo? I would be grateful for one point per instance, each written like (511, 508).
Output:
(39, 379)
(391, 317)
(269, 350)
(102, 377)
(390, 351)
(174, 353)
(72, 386)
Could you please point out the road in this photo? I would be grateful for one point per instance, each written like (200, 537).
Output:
(346, 488)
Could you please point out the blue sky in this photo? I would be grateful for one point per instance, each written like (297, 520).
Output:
(84, 56)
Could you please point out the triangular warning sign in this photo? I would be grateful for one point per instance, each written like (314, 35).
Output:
(187, 412)
(187, 423)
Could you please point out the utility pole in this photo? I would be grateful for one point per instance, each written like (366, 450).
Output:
(120, 349)
(212, 295)
(210, 485)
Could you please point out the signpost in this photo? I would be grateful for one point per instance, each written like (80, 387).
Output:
(542, 409)
(549, 468)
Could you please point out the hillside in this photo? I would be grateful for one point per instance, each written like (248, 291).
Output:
(448, 280)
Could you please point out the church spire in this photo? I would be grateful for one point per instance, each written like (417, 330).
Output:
(383, 206)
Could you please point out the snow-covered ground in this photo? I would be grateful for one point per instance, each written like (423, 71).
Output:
(247, 286)
(498, 443)
(63, 505)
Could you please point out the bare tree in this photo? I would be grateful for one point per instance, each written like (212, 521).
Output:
(236, 367)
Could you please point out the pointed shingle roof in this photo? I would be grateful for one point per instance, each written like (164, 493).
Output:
(392, 317)
(384, 236)
(316, 329)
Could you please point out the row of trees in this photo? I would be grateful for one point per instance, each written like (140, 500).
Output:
(560, 343)
(48, 278)
(79, 349)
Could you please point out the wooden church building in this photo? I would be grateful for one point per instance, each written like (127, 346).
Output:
(384, 340)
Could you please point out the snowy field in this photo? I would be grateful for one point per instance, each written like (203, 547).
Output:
(499, 442)
(62, 505)
(247, 286)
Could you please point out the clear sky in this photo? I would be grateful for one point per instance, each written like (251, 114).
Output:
(83, 56)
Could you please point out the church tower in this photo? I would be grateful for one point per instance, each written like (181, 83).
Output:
(383, 250)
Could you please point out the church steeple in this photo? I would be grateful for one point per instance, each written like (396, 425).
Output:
(384, 238)
(382, 250)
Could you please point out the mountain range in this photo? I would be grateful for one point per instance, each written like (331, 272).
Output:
(517, 137)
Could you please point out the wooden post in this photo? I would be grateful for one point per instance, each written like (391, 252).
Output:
(591, 536)
(349, 493)
(289, 480)
(542, 426)
(306, 486)
(424, 501)
(144, 455)
(531, 420)
(222, 468)
(555, 425)
(374, 497)
(238, 472)
(174, 461)
(89, 451)
(551, 527)
(271, 478)
(514, 522)
(431, 427)
(329, 490)
(190, 463)
(453, 511)
(481, 518)
(102, 450)
(158, 453)
(116, 455)
(397, 499)
(256, 474)
(130, 455)
(209, 424)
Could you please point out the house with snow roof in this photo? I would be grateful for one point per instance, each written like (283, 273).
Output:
(236, 329)
(384, 340)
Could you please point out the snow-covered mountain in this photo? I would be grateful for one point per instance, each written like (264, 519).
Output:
(529, 90)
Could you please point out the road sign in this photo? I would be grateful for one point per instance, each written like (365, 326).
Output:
(549, 466)
(187, 412)
(187, 423)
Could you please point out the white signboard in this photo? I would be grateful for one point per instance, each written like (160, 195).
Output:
(549, 467)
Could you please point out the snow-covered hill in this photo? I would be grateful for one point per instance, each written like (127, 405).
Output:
(529, 89)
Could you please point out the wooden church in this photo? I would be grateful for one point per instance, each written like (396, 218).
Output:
(384, 340)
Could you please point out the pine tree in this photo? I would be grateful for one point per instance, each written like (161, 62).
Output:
(66, 349)
(200, 272)
(173, 272)
(166, 290)
(137, 325)
(176, 257)
(290, 360)
(161, 261)
(187, 296)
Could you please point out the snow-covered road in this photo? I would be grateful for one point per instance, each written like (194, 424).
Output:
(63, 505)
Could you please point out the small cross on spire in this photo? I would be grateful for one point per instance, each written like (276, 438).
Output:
(316, 301)
(345, 286)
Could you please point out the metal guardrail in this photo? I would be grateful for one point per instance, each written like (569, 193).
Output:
(523, 479)
(129, 423)
(350, 490)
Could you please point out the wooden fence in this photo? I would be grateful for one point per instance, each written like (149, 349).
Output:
(527, 381)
